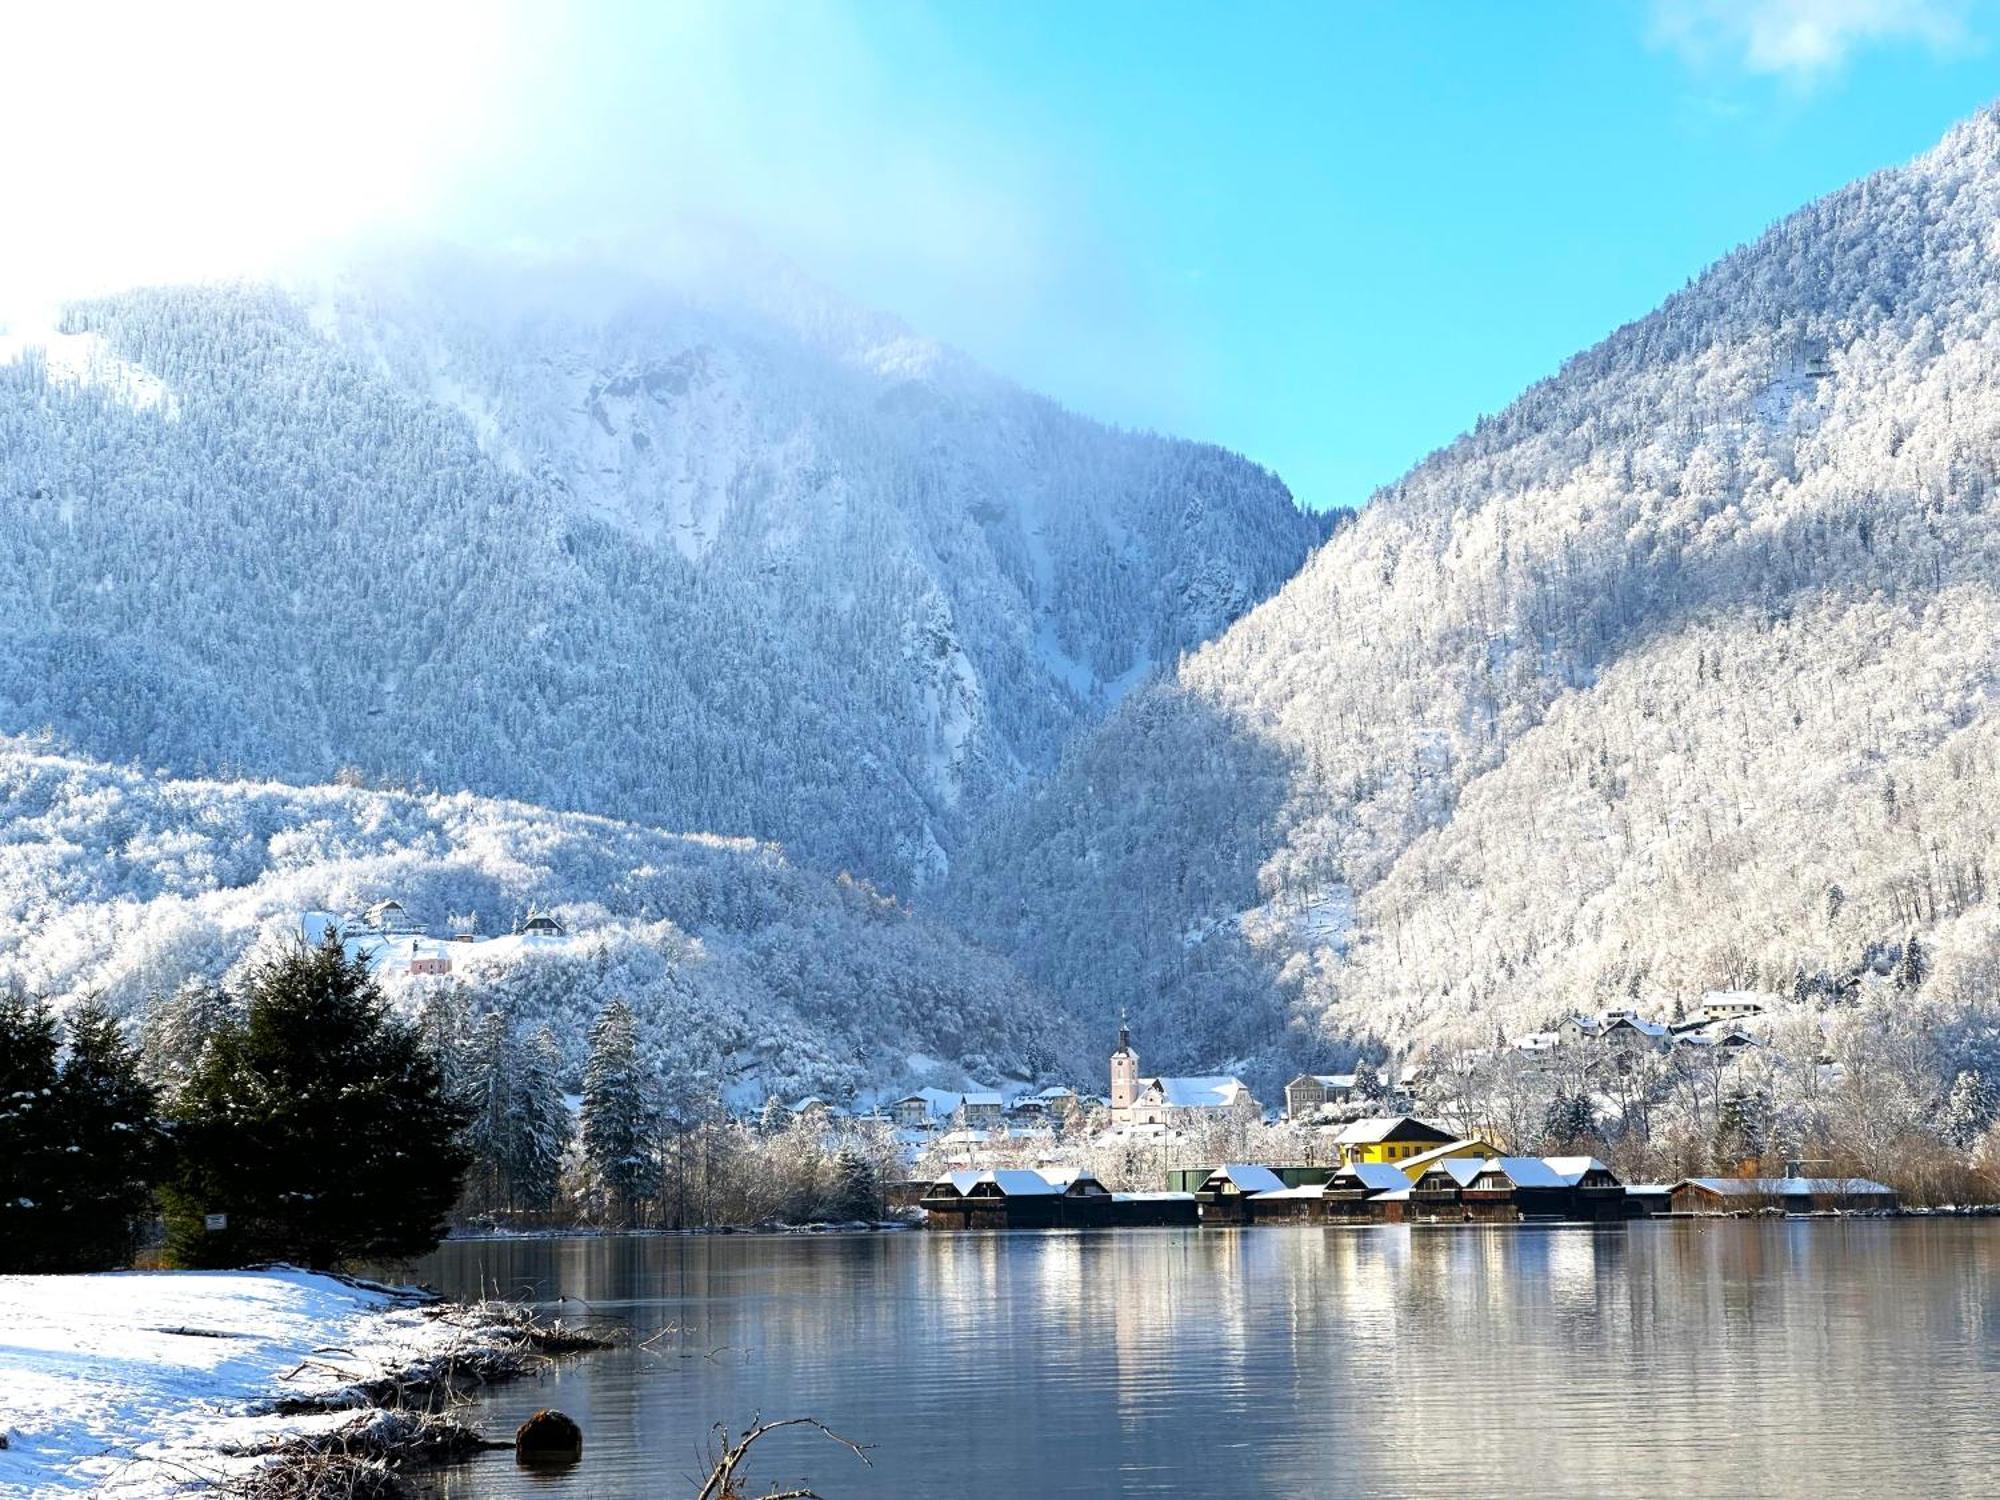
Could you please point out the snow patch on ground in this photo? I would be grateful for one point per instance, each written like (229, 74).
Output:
(124, 1384)
(81, 360)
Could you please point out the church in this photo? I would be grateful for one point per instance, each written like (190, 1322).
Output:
(1171, 1103)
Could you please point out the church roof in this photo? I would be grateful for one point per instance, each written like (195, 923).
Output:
(1212, 1091)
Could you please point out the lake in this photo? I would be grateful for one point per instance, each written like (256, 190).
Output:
(1683, 1358)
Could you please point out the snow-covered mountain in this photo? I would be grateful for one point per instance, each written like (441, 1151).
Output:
(1681, 672)
(716, 555)
(746, 973)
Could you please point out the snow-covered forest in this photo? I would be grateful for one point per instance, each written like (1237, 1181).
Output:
(1678, 674)
(723, 557)
(742, 970)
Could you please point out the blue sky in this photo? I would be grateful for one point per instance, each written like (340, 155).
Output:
(1328, 236)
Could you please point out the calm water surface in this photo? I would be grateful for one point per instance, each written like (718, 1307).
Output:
(1685, 1359)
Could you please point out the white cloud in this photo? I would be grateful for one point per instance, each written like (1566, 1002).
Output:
(169, 141)
(1802, 40)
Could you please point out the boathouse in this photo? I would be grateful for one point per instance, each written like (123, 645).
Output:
(1351, 1194)
(1791, 1195)
(1595, 1189)
(1225, 1194)
(1515, 1187)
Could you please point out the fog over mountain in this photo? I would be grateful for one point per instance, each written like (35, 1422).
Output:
(720, 556)
(1681, 672)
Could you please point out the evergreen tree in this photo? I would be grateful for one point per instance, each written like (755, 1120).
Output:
(617, 1117)
(1968, 1109)
(543, 1136)
(1368, 1081)
(1567, 1120)
(318, 1124)
(1743, 1129)
(857, 1187)
(177, 1030)
(1912, 967)
(112, 1141)
(489, 1088)
(30, 1136)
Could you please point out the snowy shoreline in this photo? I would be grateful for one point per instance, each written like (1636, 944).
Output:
(140, 1384)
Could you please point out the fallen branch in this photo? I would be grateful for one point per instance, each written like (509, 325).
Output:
(721, 1483)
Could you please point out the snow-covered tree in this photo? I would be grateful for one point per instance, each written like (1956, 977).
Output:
(620, 1119)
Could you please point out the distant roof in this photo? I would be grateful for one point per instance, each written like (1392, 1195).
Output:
(1327, 1080)
(1015, 1182)
(1778, 1187)
(1248, 1178)
(1390, 1128)
(1527, 1171)
(1572, 1169)
(1213, 1091)
(1056, 1091)
(1413, 1165)
(1376, 1176)
(983, 1099)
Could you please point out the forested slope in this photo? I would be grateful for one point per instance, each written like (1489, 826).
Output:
(745, 972)
(1679, 673)
(749, 563)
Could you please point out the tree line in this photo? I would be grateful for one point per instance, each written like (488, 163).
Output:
(303, 1120)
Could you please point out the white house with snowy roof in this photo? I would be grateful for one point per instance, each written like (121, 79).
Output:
(1171, 1103)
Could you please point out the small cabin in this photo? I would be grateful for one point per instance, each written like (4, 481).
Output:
(540, 924)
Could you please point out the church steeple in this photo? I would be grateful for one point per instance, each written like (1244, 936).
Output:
(1124, 1068)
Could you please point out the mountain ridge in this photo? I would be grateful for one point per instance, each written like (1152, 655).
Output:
(1802, 434)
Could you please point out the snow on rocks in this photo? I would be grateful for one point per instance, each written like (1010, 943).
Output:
(134, 1384)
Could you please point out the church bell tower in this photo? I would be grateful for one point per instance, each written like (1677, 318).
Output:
(1124, 1069)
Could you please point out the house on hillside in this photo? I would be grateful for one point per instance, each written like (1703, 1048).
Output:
(390, 919)
(1309, 1093)
(1733, 1005)
(1392, 1139)
(926, 1109)
(983, 1111)
(539, 924)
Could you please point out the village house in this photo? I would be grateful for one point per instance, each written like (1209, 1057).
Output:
(1733, 1005)
(539, 924)
(391, 920)
(1171, 1103)
(983, 1111)
(1391, 1139)
(1310, 1093)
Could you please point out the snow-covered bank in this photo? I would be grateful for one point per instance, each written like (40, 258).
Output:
(131, 1385)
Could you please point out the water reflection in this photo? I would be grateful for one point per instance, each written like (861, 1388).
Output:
(1771, 1358)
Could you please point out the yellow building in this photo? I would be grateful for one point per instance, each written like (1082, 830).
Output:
(1393, 1139)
